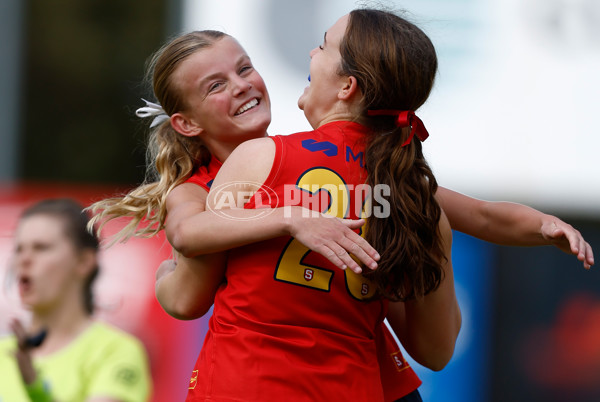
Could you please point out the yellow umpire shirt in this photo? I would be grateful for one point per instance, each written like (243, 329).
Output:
(102, 361)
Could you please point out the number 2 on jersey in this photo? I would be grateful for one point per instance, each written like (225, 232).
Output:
(291, 267)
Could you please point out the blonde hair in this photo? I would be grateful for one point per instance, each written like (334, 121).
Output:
(170, 157)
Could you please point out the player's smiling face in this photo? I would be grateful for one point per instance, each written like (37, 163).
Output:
(225, 97)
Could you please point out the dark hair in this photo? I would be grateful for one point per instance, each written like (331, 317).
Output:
(75, 222)
(395, 64)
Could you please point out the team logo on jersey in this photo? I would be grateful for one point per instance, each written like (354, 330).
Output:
(364, 289)
(328, 148)
(193, 379)
(309, 274)
(224, 199)
(399, 361)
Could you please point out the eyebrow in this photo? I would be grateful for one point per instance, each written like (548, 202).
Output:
(325, 38)
(239, 61)
(206, 79)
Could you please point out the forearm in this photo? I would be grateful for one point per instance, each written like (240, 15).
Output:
(210, 232)
(188, 291)
(512, 224)
(32, 381)
(504, 223)
(193, 231)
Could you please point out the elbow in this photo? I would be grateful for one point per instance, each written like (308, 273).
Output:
(437, 363)
(435, 353)
(188, 315)
(187, 311)
(436, 359)
(182, 306)
(446, 349)
(177, 238)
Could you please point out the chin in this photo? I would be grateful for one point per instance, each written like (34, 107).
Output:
(301, 103)
(258, 130)
(263, 124)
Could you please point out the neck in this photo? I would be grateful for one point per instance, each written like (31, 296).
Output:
(59, 321)
(221, 149)
(342, 111)
(63, 323)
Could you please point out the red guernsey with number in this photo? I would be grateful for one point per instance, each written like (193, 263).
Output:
(288, 325)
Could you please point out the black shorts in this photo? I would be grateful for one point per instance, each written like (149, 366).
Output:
(414, 396)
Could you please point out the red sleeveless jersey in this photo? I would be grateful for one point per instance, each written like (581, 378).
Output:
(289, 325)
(205, 175)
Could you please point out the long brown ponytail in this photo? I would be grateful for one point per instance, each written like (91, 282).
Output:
(395, 65)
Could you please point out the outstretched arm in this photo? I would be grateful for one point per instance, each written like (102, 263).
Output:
(512, 224)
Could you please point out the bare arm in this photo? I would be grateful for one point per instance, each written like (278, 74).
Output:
(22, 355)
(512, 224)
(32, 382)
(194, 230)
(428, 327)
(186, 289)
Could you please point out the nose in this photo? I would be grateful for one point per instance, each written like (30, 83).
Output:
(21, 257)
(240, 86)
(20, 262)
(312, 52)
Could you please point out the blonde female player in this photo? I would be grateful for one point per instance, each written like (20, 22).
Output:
(188, 77)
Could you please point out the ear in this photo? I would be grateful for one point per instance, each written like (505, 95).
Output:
(349, 88)
(185, 126)
(89, 260)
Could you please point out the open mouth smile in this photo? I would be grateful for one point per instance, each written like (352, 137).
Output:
(253, 103)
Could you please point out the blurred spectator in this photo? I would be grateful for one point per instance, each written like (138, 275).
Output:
(64, 353)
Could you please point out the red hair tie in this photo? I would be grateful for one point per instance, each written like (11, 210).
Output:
(406, 118)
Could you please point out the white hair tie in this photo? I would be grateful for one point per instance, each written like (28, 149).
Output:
(152, 109)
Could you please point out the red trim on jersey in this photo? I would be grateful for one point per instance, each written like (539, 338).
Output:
(206, 174)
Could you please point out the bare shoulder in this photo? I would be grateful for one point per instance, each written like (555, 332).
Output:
(261, 143)
(186, 193)
(253, 151)
(250, 161)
